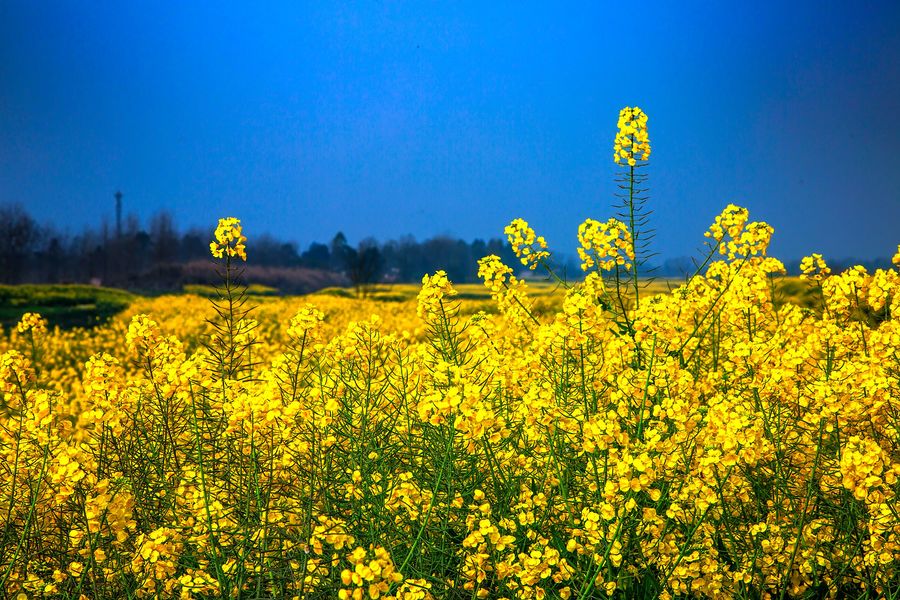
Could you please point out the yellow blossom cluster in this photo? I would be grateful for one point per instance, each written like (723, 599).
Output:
(632, 141)
(507, 290)
(229, 240)
(32, 322)
(735, 236)
(814, 267)
(305, 321)
(371, 575)
(436, 292)
(529, 247)
(605, 245)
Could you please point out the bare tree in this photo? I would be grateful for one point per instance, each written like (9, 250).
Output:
(19, 234)
(164, 238)
(363, 266)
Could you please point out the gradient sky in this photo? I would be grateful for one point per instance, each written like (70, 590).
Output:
(305, 118)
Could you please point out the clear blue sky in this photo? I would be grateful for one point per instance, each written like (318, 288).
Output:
(305, 118)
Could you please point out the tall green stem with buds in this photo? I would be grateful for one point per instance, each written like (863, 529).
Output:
(631, 150)
(232, 330)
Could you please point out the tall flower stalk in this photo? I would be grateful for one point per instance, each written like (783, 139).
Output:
(631, 150)
(232, 331)
(618, 249)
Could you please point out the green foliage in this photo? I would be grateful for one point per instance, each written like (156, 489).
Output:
(65, 306)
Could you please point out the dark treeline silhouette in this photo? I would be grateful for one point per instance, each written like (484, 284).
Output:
(160, 257)
(684, 266)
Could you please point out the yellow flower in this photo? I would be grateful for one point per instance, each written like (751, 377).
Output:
(229, 239)
(34, 323)
(529, 247)
(735, 237)
(605, 245)
(632, 140)
(306, 320)
(814, 267)
(436, 290)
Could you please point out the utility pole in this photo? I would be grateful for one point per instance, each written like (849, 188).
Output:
(118, 215)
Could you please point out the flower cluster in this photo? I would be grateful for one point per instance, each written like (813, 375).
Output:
(735, 236)
(529, 247)
(507, 290)
(605, 245)
(632, 141)
(229, 240)
(372, 574)
(814, 267)
(16, 375)
(304, 322)
(435, 293)
(32, 322)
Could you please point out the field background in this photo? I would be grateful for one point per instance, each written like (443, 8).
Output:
(70, 306)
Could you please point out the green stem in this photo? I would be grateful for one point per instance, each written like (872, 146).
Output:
(634, 237)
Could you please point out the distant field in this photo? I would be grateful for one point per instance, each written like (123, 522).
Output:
(790, 288)
(77, 305)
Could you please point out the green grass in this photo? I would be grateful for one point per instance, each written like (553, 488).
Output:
(65, 306)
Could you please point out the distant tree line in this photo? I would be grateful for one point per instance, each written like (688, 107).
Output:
(683, 267)
(160, 256)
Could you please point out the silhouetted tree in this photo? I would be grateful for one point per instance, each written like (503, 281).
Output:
(55, 260)
(407, 256)
(317, 256)
(268, 251)
(18, 235)
(363, 266)
(452, 256)
(164, 237)
(340, 252)
(161, 257)
(194, 245)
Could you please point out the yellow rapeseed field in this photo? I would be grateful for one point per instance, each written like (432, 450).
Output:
(594, 441)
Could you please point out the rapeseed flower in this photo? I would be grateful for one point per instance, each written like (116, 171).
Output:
(632, 141)
(229, 239)
(605, 245)
(32, 322)
(529, 247)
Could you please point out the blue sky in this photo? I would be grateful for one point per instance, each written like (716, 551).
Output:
(382, 119)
